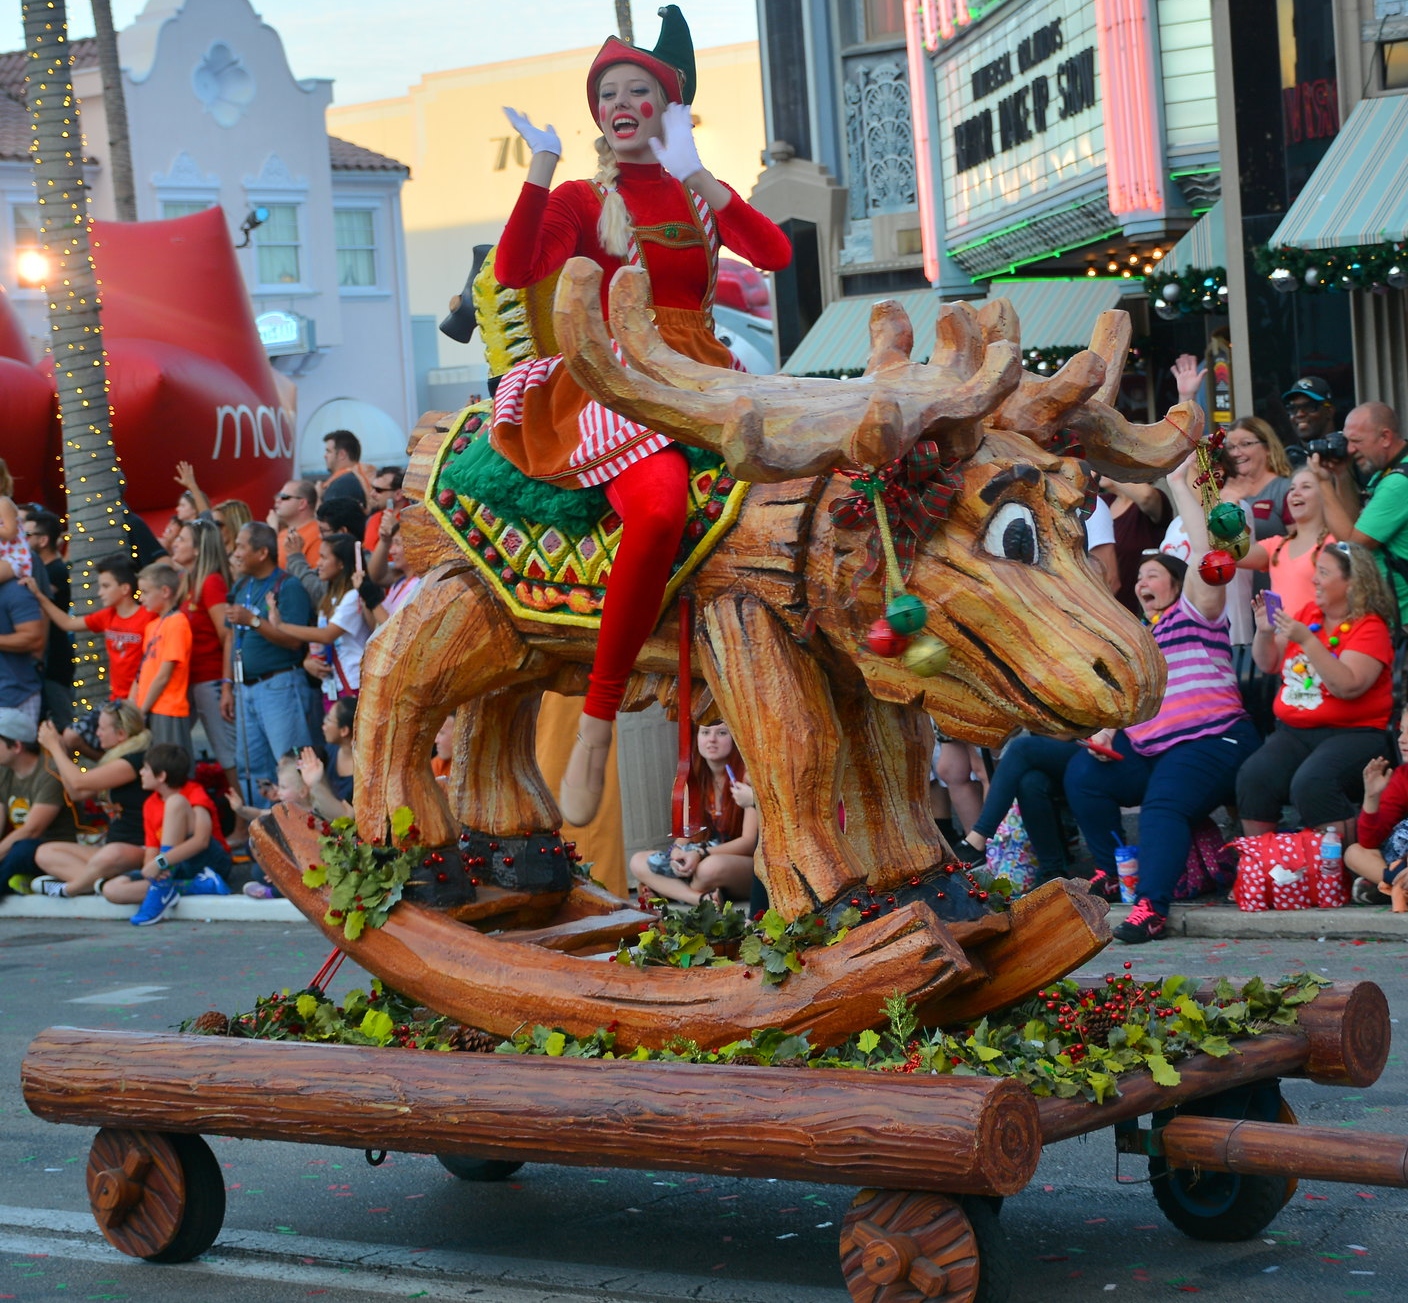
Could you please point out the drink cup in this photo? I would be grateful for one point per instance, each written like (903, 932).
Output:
(1127, 865)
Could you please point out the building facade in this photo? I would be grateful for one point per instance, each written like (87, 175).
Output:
(216, 117)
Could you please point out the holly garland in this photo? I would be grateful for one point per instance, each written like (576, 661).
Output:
(364, 879)
(1066, 1041)
(1351, 267)
(1174, 294)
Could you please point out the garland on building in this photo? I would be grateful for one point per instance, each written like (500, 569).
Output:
(1175, 294)
(1352, 267)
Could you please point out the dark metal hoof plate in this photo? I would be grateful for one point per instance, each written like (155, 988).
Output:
(540, 863)
(950, 891)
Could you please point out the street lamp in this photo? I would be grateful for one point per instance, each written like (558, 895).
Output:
(32, 268)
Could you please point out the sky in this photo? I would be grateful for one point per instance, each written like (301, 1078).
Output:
(372, 49)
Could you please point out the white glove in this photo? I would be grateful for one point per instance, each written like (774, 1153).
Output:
(676, 153)
(540, 140)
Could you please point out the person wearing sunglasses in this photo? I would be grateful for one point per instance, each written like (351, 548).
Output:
(294, 510)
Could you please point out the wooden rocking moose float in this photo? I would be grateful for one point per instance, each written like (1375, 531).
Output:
(785, 596)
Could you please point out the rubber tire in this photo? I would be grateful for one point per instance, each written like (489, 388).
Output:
(994, 1253)
(1225, 1207)
(204, 1213)
(477, 1169)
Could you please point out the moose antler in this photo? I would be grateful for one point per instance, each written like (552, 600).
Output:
(771, 428)
(1080, 397)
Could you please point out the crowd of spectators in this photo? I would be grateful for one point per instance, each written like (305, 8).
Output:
(233, 652)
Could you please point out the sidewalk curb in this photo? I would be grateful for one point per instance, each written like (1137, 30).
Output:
(190, 909)
(1224, 923)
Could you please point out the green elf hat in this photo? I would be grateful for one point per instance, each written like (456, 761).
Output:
(671, 62)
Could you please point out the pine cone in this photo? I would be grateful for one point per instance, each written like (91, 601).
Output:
(1095, 1027)
(473, 1040)
(211, 1023)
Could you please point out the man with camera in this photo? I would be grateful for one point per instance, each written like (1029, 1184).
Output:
(1311, 410)
(1376, 446)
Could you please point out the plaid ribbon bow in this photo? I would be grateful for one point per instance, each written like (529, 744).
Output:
(917, 490)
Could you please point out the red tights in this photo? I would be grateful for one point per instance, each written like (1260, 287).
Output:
(652, 498)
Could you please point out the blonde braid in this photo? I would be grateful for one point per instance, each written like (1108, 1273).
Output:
(613, 227)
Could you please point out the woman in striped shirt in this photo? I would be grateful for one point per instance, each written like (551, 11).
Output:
(1181, 765)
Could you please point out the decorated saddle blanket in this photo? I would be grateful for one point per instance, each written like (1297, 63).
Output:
(547, 551)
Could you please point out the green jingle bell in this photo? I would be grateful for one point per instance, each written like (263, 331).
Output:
(1226, 521)
(926, 656)
(906, 614)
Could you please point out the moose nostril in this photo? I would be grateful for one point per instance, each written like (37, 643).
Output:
(1106, 677)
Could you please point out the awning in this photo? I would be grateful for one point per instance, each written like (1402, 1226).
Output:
(840, 340)
(1053, 313)
(1358, 193)
(1202, 247)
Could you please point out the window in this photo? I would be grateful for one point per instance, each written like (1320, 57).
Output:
(355, 229)
(884, 20)
(276, 243)
(1395, 55)
(182, 208)
(29, 261)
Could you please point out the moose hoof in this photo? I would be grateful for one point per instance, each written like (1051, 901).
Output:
(539, 863)
(445, 880)
(950, 891)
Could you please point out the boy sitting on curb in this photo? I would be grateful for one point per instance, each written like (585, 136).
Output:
(183, 840)
(1377, 857)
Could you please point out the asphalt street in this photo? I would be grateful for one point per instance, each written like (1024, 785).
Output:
(306, 1221)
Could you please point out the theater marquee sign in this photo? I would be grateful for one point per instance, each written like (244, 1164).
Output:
(1019, 115)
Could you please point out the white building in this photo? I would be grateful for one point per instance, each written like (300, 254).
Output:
(216, 117)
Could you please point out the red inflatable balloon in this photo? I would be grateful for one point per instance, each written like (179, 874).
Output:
(188, 378)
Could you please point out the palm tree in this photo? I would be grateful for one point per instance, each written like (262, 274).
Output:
(93, 481)
(124, 190)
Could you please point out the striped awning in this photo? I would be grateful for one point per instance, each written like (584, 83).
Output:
(1202, 247)
(1358, 193)
(1053, 313)
(840, 340)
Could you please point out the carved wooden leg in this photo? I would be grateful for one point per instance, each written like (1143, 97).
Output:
(496, 736)
(778, 704)
(885, 786)
(448, 644)
(904, 1248)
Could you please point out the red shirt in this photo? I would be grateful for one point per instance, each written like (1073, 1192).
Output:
(122, 635)
(154, 811)
(207, 649)
(1393, 809)
(1305, 702)
(547, 228)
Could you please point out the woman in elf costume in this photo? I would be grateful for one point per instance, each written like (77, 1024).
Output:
(651, 203)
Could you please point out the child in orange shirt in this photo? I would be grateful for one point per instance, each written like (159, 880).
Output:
(163, 678)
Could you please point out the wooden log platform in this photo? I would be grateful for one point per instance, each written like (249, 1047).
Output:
(962, 1135)
(1274, 1149)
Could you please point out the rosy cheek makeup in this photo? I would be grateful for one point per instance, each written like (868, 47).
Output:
(647, 110)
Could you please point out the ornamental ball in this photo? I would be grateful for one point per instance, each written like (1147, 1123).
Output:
(926, 656)
(1217, 568)
(1312, 276)
(1172, 292)
(1397, 277)
(1226, 520)
(906, 613)
(884, 641)
(1167, 311)
(1284, 280)
(1239, 546)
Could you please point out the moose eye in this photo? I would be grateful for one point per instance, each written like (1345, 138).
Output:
(1012, 534)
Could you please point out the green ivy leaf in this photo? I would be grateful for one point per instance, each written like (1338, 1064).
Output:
(378, 1026)
(401, 821)
(307, 1006)
(355, 922)
(1162, 1072)
(868, 1041)
(555, 1044)
(315, 875)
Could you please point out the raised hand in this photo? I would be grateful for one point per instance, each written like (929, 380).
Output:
(541, 140)
(186, 476)
(1188, 375)
(309, 766)
(676, 153)
(1376, 774)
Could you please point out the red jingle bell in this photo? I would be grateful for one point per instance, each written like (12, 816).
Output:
(1217, 568)
(883, 640)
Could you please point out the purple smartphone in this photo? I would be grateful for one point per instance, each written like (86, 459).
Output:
(1273, 604)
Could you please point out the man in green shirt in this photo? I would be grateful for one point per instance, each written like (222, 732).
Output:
(1378, 448)
(34, 808)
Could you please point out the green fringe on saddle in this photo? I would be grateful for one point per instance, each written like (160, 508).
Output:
(484, 475)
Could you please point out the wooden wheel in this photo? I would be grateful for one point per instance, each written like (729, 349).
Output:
(899, 1247)
(156, 1196)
